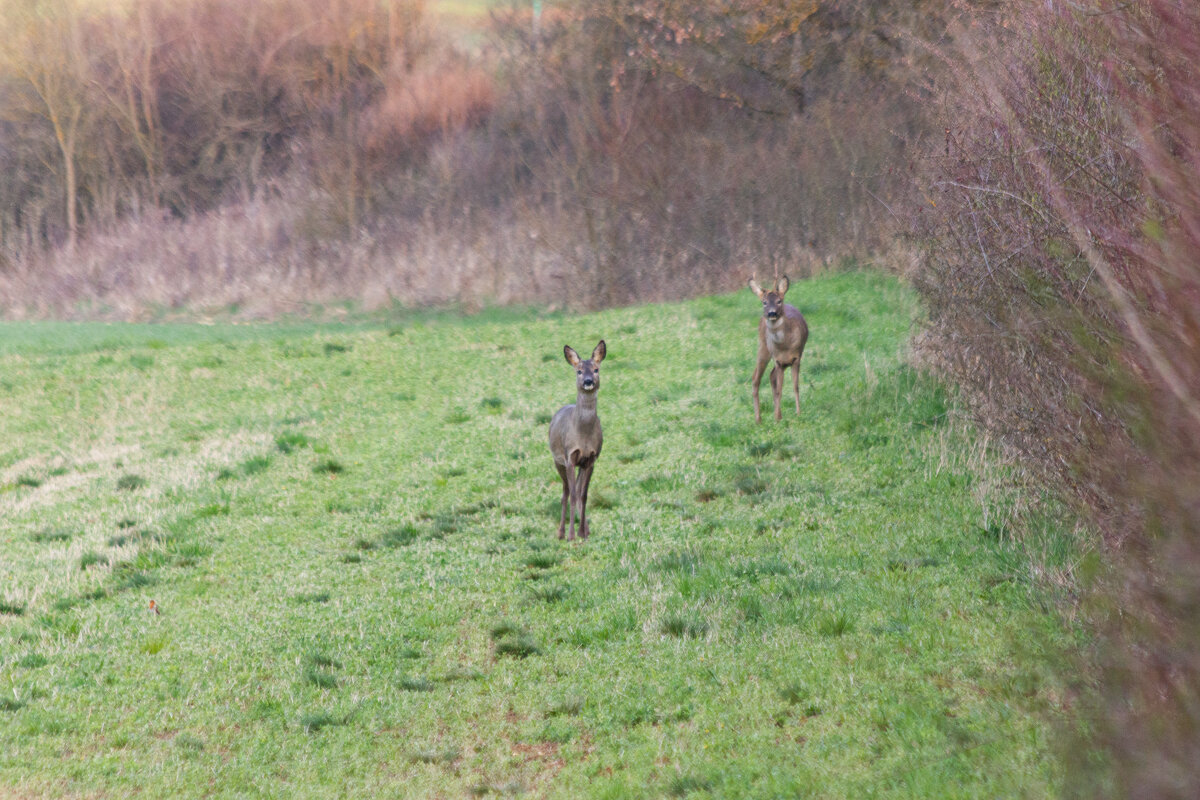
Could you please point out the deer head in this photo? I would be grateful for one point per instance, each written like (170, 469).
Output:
(772, 299)
(587, 373)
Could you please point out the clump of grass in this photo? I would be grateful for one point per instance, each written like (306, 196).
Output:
(314, 721)
(328, 466)
(225, 473)
(656, 483)
(212, 510)
(751, 484)
(30, 481)
(750, 607)
(312, 597)
(336, 347)
(13, 703)
(550, 594)
(685, 561)
(365, 544)
(512, 640)
(503, 629)
(12, 608)
(410, 684)
(91, 558)
(707, 495)
(541, 560)
(764, 566)
(719, 435)
(352, 558)
(556, 731)
(130, 482)
(399, 537)
(683, 628)
(135, 580)
(568, 707)
(837, 624)
(141, 362)
(542, 418)
(51, 535)
(794, 694)
(909, 564)
(759, 449)
(683, 785)
(456, 674)
(320, 678)
(601, 501)
(457, 417)
(189, 742)
(255, 465)
(122, 539)
(154, 645)
(289, 441)
(434, 756)
(492, 404)
(316, 658)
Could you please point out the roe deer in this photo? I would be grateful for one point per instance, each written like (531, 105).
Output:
(575, 439)
(782, 334)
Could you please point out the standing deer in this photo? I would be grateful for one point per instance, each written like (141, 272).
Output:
(575, 439)
(782, 334)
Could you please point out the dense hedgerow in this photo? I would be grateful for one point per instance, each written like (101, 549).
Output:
(1062, 274)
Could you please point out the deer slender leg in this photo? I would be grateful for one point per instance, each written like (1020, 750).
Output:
(796, 382)
(777, 388)
(585, 478)
(562, 520)
(763, 359)
(572, 491)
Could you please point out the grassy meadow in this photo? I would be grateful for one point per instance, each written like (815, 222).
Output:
(349, 532)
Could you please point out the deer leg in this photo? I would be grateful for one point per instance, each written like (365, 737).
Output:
(562, 520)
(796, 382)
(777, 388)
(756, 381)
(572, 490)
(585, 478)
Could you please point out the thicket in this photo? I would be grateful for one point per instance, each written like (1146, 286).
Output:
(205, 153)
(1061, 232)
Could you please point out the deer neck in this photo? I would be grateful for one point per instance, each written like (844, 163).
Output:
(777, 329)
(585, 410)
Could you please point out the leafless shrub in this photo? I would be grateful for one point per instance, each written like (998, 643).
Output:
(642, 153)
(1062, 235)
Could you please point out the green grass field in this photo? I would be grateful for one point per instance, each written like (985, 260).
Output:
(350, 535)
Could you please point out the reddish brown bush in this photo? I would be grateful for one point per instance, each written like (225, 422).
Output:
(1062, 234)
(644, 151)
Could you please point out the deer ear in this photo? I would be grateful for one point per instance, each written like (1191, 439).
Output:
(754, 287)
(781, 285)
(572, 356)
(599, 353)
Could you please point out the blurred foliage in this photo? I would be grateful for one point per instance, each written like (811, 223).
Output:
(1061, 234)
